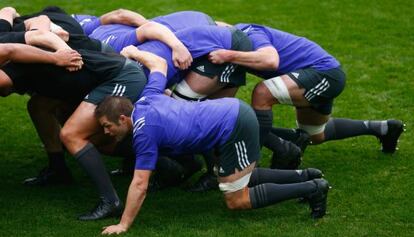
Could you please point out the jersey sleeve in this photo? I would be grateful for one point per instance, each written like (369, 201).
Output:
(89, 24)
(145, 146)
(156, 84)
(259, 38)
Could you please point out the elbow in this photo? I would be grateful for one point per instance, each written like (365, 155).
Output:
(139, 185)
(271, 63)
(7, 50)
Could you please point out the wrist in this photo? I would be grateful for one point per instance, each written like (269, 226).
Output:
(124, 225)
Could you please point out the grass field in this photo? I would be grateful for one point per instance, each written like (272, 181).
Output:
(372, 192)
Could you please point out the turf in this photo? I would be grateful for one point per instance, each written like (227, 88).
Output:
(371, 193)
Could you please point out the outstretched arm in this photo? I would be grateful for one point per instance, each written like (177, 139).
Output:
(155, 31)
(27, 54)
(266, 58)
(123, 16)
(136, 195)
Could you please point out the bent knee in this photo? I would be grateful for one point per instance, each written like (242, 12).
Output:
(318, 138)
(238, 204)
(261, 96)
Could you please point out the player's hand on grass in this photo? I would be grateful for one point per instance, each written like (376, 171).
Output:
(68, 58)
(114, 229)
(181, 57)
(219, 56)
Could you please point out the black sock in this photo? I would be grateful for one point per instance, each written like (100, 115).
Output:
(189, 163)
(265, 118)
(339, 128)
(266, 175)
(209, 158)
(169, 172)
(57, 160)
(268, 193)
(288, 134)
(277, 144)
(90, 159)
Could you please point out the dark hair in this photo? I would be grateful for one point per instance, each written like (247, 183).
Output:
(112, 107)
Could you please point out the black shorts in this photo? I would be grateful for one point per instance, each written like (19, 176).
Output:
(228, 73)
(242, 148)
(321, 87)
(129, 83)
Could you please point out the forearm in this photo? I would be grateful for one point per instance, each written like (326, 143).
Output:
(8, 14)
(135, 198)
(41, 22)
(27, 54)
(156, 31)
(255, 60)
(45, 39)
(123, 16)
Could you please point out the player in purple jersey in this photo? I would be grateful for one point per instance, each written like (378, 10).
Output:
(300, 73)
(160, 124)
(205, 78)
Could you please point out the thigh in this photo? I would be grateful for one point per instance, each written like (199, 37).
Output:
(80, 126)
(203, 84)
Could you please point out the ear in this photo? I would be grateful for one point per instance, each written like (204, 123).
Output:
(122, 118)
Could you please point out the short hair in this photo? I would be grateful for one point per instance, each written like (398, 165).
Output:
(112, 107)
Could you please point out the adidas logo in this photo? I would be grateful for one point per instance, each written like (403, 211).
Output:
(295, 74)
(87, 96)
(201, 68)
(221, 171)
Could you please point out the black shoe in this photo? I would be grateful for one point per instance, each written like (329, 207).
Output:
(318, 199)
(48, 176)
(289, 160)
(103, 210)
(313, 173)
(206, 183)
(303, 140)
(389, 141)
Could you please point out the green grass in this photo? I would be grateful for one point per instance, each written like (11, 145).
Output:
(372, 192)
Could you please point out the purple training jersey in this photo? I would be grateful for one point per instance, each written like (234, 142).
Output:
(294, 52)
(163, 124)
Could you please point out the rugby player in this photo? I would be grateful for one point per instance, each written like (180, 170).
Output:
(162, 124)
(300, 73)
(103, 74)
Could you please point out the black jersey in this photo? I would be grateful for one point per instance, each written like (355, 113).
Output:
(56, 15)
(56, 82)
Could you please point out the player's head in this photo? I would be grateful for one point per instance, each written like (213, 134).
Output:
(114, 114)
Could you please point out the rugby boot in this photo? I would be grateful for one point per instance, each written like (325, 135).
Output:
(288, 160)
(103, 209)
(205, 183)
(389, 141)
(312, 173)
(318, 199)
(303, 140)
(49, 176)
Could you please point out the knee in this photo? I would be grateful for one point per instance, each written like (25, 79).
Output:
(261, 96)
(317, 138)
(237, 204)
(67, 135)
